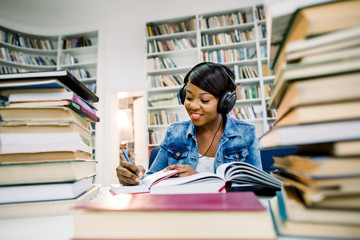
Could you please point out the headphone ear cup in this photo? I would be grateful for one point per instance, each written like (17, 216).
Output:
(226, 102)
(182, 93)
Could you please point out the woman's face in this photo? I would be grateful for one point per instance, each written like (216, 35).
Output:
(201, 106)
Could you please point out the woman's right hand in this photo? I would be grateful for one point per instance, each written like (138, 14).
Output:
(129, 174)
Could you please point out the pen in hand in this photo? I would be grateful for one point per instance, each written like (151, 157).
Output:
(128, 159)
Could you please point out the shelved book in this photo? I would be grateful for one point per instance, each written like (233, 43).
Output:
(221, 37)
(168, 99)
(244, 215)
(171, 28)
(236, 173)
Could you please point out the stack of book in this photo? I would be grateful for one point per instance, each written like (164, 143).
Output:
(46, 155)
(317, 99)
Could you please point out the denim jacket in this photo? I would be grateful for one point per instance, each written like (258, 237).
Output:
(238, 144)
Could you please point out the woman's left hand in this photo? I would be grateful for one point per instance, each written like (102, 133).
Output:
(184, 170)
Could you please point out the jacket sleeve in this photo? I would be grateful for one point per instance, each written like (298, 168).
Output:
(161, 160)
(159, 163)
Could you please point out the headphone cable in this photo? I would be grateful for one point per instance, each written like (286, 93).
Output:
(212, 141)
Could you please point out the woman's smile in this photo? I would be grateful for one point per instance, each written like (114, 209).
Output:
(195, 116)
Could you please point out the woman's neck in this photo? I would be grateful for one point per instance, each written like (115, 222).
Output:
(209, 137)
(211, 127)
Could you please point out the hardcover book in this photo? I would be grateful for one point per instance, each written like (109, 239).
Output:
(290, 200)
(312, 91)
(51, 96)
(244, 215)
(320, 113)
(45, 172)
(83, 112)
(51, 113)
(41, 142)
(311, 134)
(317, 167)
(313, 20)
(338, 149)
(44, 192)
(33, 157)
(315, 191)
(299, 71)
(47, 208)
(287, 227)
(52, 79)
(44, 126)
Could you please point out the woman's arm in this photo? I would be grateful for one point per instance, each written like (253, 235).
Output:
(160, 162)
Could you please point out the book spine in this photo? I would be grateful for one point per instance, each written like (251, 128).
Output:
(84, 104)
(83, 112)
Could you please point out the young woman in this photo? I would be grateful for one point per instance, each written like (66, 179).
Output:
(210, 137)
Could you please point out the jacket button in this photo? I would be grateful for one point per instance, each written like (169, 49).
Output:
(237, 155)
(177, 154)
(219, 159)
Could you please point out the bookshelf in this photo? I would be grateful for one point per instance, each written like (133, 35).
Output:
(28, 52)
(235, 38)
(172, 50)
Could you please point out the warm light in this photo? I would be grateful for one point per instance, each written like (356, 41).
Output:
(122, 95)
(124, 120)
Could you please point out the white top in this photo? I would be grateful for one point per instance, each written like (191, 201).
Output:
(205, 164)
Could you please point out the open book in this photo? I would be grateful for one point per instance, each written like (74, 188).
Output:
(239, 173)
(145, 185)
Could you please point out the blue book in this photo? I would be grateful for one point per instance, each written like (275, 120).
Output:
(307, 229)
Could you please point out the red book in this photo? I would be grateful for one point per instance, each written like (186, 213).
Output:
(232, 201)
(234, 215)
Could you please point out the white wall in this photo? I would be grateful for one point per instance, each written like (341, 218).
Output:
(122, 64)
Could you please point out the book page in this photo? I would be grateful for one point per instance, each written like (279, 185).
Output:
(145, 185)
(203, 182)
(244, 173)
(118, 188)
(157, 177)
(196, 178)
